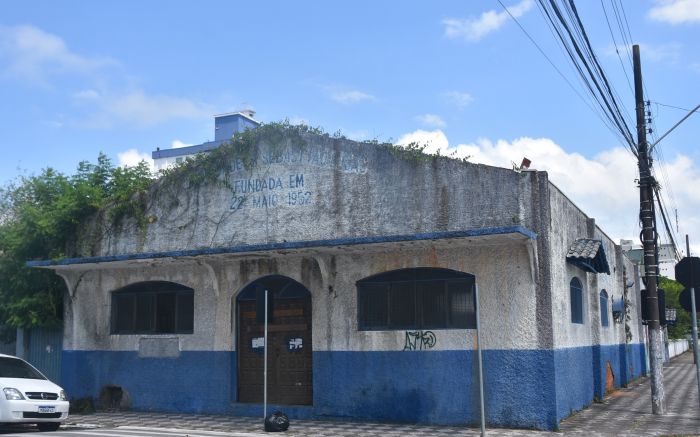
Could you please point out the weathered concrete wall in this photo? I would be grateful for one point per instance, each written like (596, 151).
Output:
(569, 223)
(503, 271)
(326, 189)
(356, 373)
(588, 357)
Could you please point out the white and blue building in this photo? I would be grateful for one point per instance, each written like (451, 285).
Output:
(370, 257)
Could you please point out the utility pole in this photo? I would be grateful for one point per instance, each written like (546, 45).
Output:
(649, 243)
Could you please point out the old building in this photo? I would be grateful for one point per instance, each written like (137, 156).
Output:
(370, 254)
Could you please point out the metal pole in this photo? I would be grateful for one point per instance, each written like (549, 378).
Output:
(693, 315)
(649, 237)
(265, 363)
(478, 352)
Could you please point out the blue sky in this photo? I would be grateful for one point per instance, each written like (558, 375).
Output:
(126, 77)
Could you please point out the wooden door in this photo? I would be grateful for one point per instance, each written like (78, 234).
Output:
(289, 372)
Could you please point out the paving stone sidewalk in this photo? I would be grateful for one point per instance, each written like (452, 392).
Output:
(627, 412)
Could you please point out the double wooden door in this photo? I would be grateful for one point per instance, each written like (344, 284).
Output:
(289, 360)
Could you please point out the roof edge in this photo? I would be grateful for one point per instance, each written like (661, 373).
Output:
(288, 245)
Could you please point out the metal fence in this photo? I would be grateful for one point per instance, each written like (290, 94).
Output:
(677, 347)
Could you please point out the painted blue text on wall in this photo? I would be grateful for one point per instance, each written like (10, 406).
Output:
(270, 192)
(314, 155)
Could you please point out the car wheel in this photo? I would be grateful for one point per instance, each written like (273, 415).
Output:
(48, 426)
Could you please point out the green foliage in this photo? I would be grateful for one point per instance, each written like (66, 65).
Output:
(673, 290)
(216, 166)
(39, 215)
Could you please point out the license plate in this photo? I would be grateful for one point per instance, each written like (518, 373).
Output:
(47, 409)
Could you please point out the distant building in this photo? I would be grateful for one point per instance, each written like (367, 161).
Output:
(225, 126)
(667, 257)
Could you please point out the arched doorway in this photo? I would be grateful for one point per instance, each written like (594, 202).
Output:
(289, 371)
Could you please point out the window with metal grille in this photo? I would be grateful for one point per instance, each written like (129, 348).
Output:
(419, 298)
(154, 307)
(604, 319)
(576, 297)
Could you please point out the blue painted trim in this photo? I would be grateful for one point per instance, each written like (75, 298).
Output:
(290, 245)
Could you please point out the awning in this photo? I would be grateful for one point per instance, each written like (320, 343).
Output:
(588, 255)
(486, 236)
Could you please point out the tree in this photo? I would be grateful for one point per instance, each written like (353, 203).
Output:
(673, 290)
(39, 216)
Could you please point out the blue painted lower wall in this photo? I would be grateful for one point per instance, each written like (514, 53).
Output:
(523, 388)
(197, 382)
(436, 387)
(581, 373)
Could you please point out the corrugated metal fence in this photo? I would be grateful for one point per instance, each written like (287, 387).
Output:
(44, 347)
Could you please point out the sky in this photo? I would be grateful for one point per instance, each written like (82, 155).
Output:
(79, 78)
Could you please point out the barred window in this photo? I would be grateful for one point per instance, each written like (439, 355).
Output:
(153, 307)
(576, 297)
(604, 319)
(418, 298)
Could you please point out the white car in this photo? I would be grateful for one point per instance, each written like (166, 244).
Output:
(27, 396)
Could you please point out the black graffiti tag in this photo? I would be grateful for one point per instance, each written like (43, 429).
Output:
(419, 340)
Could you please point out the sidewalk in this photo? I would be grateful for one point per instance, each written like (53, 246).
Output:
(627, 412)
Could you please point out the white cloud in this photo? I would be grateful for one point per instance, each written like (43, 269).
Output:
(676, 11)
(88, 94)
(662, 52)
(433, 140)
(670, 52)
(142, 109)
(459, 98)
(33, 54)
(603, 186)
(298, 120)
(473, 29)
(133, 157)
(431, 120)
(352, 96)
(30, 53)
(177, 144)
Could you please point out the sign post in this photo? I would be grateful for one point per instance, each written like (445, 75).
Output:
(478, 351)
(265, 363)
(688, 274)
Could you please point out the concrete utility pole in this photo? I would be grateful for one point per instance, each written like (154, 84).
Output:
(651, 267)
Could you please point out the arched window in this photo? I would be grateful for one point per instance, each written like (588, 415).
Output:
(418, 298)
(576, 297)
(604, 320)
(153, 307)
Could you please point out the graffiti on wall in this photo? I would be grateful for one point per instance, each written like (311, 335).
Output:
(419, 340)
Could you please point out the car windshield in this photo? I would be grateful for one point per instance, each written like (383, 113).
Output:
(16, 368)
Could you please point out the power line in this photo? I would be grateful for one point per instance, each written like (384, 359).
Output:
(674, 107)
(617, 51)
(612, 129)
(573, 37)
